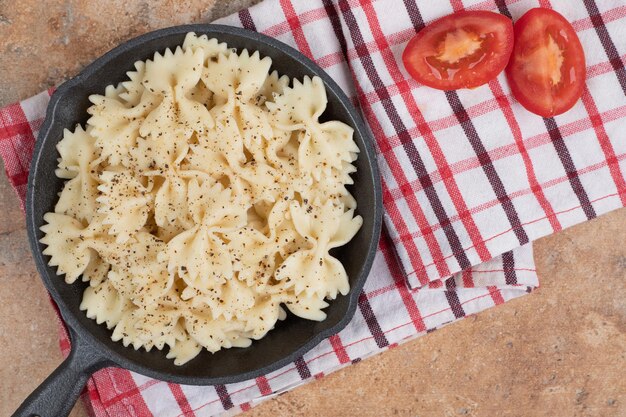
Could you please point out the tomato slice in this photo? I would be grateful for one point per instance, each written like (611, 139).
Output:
(547, 69)
(462, 50)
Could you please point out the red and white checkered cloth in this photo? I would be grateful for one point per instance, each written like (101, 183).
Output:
(469, 179)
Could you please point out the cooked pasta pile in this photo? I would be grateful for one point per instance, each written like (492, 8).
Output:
(204, 196)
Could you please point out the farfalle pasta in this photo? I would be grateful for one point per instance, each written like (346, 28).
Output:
(202, 201)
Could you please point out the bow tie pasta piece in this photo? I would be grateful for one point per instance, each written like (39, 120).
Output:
(253, 256)
(236, 80)
(170, 201)
(200, 258)
(321, 146)
(215, 334)
(261, 181)
(236, 299)
(78, 154)
(273, 85)
(115, 124)
(211, 47)
(133, 89)
(68, 245)
(202, 160)
(333, 187)
(104, 304)
(96, 271)
(212, 205)
(230, 300)
(237, 76)
(149, 328)
(226, 139)
(172, 76)
(199, 255)
(125, 202)
(138, 272)
(308, 307)
(315, 271)
(183, 350)
(282, 154)
(282, 230)
(77, 150)
(263, 317)
(155, 155)
(326, 146)
(299, 105)
(202, 201)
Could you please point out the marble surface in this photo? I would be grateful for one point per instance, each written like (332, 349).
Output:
(560, 351)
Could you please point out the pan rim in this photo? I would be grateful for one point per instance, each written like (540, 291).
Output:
(84, 333)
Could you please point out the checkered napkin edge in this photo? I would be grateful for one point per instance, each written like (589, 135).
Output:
(388, 313)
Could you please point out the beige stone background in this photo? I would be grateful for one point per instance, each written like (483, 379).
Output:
(560, 351)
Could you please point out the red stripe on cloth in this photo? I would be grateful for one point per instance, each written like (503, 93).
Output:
(496, 295)
(504, 270)
(422, 222)
(296, 27)
(319, 375)
(340, 351)
(21, 178)
(305, 18)
(457, 5)
(605, 143)
(436, 284)
(11, 128)
(181, 399)
(122, 382)
(545, 3)
(245, 406)
(606, 17)
(505, 106)
(123, 394)
(399, 278)
(264, 385)
(94, 403)
(601, 68)
(16, 130)
(468, 280)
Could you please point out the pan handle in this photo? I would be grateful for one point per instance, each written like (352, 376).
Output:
(56, 396)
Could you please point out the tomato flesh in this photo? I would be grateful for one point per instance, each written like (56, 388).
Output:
(462, 50)
(547, 69)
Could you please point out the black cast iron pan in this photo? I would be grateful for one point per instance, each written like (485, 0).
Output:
(92, 347)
